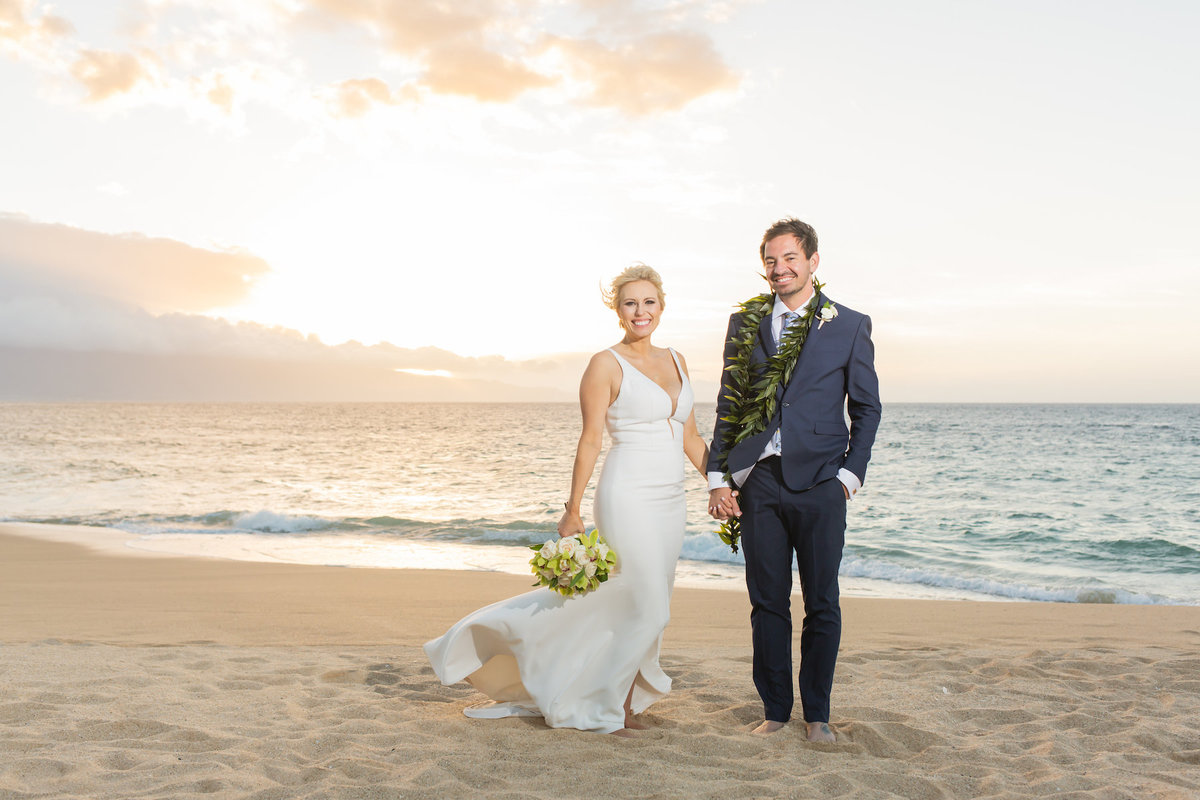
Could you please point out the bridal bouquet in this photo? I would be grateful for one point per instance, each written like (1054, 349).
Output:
(573, 565)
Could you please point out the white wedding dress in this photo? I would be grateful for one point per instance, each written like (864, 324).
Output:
(572, 660)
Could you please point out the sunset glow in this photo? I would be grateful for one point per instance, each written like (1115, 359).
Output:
(439, 190)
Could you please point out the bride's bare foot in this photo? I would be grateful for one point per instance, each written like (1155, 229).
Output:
(625, 733)
(820, 732)
(631, 722)
(768, 726)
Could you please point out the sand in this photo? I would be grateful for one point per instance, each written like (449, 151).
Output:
(126, 675)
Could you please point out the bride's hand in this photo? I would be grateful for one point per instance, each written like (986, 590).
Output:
(570, 524)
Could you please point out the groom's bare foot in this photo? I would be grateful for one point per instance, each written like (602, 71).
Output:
(820, 732)
(768, 726)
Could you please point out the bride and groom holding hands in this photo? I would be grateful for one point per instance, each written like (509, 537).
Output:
(782, 465)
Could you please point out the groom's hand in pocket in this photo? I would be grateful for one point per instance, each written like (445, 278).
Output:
(723, 504)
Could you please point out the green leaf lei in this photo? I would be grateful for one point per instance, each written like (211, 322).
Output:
(753, 393)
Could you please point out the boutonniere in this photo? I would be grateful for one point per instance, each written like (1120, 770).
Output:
(828, 313)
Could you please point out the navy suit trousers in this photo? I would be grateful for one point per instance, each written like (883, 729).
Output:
(777, 522)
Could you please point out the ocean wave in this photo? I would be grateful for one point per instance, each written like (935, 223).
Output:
(1172, 557)
(388, 522)
(903, 566)
(272, 522)
(853, 566)
(269, 521)
(707, 546)
(523, 535)
(232, 521)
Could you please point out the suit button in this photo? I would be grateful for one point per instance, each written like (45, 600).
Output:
(785, 405)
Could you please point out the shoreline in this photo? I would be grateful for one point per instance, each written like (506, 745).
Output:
(45, 569)
(134, 674)
(397, 553)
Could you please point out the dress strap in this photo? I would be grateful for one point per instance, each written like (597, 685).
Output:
(675, 358)
(683, 378)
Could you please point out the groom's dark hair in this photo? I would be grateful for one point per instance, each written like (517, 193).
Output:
(801, 230)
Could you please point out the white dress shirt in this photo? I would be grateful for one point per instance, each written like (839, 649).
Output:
(716, 480)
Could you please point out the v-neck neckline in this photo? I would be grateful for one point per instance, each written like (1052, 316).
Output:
(678, 372)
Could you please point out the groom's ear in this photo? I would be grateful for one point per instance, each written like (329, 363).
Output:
(813, 262)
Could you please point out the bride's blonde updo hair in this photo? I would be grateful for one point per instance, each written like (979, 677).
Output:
(637, 272)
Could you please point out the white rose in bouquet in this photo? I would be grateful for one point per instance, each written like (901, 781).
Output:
(567, 546)
(574, 565)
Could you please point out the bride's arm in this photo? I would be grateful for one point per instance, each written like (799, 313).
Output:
(597, 389)
(694, 445)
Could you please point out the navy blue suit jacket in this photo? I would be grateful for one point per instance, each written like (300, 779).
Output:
(834, 374)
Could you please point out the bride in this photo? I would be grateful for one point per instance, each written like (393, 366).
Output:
(591, 662)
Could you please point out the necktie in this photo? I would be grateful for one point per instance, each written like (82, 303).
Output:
(788, 318)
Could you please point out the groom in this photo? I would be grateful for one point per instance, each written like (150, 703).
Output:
(794, 477)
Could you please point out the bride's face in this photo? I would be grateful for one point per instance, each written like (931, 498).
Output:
(639, 308)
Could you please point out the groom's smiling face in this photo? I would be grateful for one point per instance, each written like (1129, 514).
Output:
(788, 269)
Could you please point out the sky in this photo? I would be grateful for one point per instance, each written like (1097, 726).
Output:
(1009, 189)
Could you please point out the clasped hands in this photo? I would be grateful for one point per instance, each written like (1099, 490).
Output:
(723, 504)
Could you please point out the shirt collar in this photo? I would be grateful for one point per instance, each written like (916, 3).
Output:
(780, 309)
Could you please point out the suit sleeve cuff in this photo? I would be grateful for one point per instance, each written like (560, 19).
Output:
(849, 480)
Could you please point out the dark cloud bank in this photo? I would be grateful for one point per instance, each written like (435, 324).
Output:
(75, 325)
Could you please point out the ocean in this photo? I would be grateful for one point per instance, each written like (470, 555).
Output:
(1067, 503)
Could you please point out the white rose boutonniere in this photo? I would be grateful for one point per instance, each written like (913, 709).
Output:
(828, 313)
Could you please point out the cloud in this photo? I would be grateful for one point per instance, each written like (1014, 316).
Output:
(221, 94)
(355, 97)
(30, 375)
(58, 344)
(68, 290)
(451, 42)
(656, 72)
(478, 73)
(635, 61)
(105, 73)
(63, 319)
(413, 24)
(151, 273)
(211, 58)
(17, 24)
(78, 307)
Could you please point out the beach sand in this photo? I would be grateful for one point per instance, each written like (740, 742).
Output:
(126, 675)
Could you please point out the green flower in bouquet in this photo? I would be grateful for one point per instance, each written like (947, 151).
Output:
(573, 565)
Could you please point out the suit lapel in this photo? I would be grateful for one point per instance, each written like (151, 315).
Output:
(765, 336)
(814, 335)
(810, 341)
